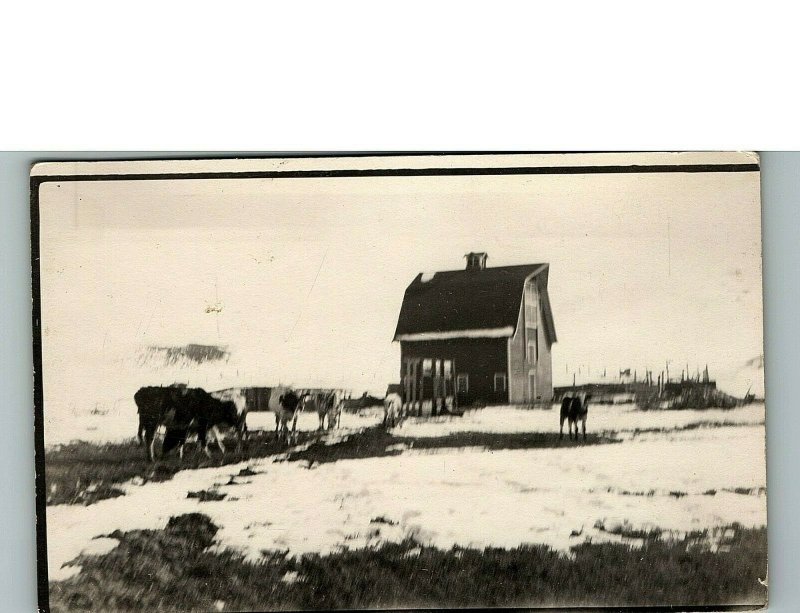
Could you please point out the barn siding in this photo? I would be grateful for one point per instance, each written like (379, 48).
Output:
(544, 369)
(480, 358)
(519, 366)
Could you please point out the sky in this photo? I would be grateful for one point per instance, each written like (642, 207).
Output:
(302, 279)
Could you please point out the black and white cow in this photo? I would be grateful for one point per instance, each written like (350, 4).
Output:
(239, 399)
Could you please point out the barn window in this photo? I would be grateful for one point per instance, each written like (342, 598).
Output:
(531, 305)
(500, 382)
(462, 383)
(448, 367)
(533, 344)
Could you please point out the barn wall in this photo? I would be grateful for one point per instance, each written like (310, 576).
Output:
(544, 369)
(480, 358)
(519, 366)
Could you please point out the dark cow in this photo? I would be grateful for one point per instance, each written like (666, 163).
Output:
(182, 411)
(198, 411)
(288, 408)
(574, 408)
(156, 406)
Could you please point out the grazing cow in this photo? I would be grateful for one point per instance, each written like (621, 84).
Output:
(181, 410)
(197, 410)
(393, 410)
(573, 409)
(156, 406)
(238, 398)
(288, 408)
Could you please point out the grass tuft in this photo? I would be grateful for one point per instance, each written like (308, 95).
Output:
(173, 569)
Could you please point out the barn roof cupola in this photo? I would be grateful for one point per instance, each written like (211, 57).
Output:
(476, 260)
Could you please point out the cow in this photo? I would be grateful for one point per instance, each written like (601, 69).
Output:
(156, 406)
(574, 408)
(198, 411)
(182, 410)
(289, 407)
(239, 399)
(324, 405)
(392, 410)
(274, 405)
(333, 403)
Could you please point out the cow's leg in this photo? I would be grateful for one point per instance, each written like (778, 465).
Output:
(218, 438)
(321, 426)
(561, 428)
(241, 435)
(583, 425)
(243, 429)
(202, 439)
(149, 441)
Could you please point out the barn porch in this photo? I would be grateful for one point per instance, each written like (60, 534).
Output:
(428, 386)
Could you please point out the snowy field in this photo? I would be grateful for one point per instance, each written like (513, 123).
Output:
(704, 471)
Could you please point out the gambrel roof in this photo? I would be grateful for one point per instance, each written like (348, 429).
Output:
(471, 304)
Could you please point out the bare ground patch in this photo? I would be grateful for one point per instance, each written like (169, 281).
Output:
(83, 473)
(377, 442)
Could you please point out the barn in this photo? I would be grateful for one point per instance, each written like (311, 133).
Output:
(477, 335)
